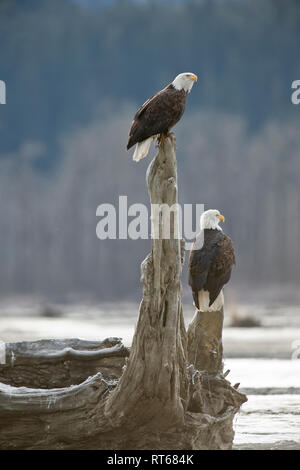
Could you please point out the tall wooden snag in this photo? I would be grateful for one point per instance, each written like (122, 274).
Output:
(170, 394)
(152, 385)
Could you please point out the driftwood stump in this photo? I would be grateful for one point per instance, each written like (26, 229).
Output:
(169, 394)
(205, 349)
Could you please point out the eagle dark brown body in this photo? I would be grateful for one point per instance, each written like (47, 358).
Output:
(210, 267)
(157, 115)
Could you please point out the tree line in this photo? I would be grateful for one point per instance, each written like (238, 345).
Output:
(74, 78)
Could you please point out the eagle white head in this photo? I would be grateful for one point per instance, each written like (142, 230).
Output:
(211, 219)
(184, 81)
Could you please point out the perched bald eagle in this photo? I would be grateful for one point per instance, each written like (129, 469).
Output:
(210, 263)
(159, 114)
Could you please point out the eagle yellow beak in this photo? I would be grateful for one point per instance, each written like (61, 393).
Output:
(221, 217)
(193, 77)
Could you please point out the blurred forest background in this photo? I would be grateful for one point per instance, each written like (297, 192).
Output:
(75, 73)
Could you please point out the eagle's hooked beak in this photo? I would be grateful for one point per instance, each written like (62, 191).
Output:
(193, 77)
(221, 217)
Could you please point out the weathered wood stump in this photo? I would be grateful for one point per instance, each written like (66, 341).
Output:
(205, 350)
(169, 394)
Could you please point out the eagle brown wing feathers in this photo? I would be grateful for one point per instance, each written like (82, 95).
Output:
(210, 267)
(157, 115)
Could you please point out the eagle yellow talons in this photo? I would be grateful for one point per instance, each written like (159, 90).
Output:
(161, 139)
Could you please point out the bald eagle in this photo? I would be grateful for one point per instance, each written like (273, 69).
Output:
(159, 114)
(210, 263)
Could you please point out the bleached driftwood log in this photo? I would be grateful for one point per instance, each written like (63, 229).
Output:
(61, 363)
(165, 397)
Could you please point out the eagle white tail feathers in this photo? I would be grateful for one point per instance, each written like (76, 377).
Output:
(203, 299)
(142, 149)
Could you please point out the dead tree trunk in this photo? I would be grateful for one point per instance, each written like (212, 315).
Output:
(169, 394)
(205, 349)
(152, 386)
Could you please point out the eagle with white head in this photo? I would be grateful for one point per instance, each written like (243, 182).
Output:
(159, 114)
(210, 263)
